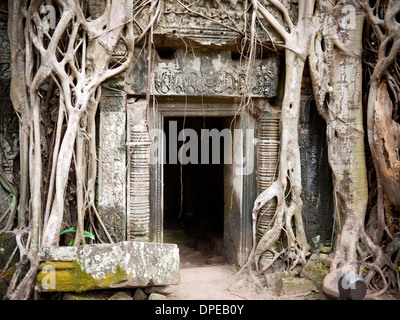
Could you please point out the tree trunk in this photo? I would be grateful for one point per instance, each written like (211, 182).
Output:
(289, 206)
(336, 72)
(19, 98)
(387, 145)
(52, 229)
(289, 167)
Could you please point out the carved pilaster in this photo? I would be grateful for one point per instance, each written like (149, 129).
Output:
(112, 163)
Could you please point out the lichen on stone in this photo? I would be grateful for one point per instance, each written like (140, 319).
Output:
(69, 276)
(126, 264)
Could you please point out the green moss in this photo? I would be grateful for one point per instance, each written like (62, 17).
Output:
(70, 277)
(316, 270)
(7, 243)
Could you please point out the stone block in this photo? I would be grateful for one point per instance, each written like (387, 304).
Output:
(126, 264)
(273, 277)
(157, 296)
(120, 296)
(164, 290)
(294, 286)
(316, 269)
(139, 295)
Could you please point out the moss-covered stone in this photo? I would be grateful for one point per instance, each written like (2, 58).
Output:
(273, 278)
(316, 269)
(128, 264)
(325, 249)
(68, 276)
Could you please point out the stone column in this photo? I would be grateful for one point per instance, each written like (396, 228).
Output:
(112, 163)
(268, 156)
(138, 178)
(268, 151)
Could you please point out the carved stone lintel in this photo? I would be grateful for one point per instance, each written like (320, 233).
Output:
(214, 74)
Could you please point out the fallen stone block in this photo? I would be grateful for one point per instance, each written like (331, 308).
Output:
(294, 286)
(127, 264)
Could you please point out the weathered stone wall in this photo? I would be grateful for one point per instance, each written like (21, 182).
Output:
(177, 22)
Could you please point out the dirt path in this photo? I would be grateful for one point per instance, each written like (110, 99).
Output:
(205, 283)
(216, 282)
(206, 276)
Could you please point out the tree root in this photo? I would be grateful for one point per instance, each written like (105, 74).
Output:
(24, 290)
(385, 284)
(286, 189)
(381, 260)
(272, 261)
(15, 290)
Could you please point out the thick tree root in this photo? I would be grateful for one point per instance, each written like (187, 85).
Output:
(380, 261)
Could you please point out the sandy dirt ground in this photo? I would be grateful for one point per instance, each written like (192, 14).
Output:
(217, 282)
(205, 275)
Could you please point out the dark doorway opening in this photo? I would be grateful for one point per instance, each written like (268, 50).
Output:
(194, 192)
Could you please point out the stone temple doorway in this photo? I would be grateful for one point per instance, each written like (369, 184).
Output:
(193, 84)
(196, 191)
(220, 197)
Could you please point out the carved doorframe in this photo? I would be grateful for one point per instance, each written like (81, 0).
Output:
(245, 183)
